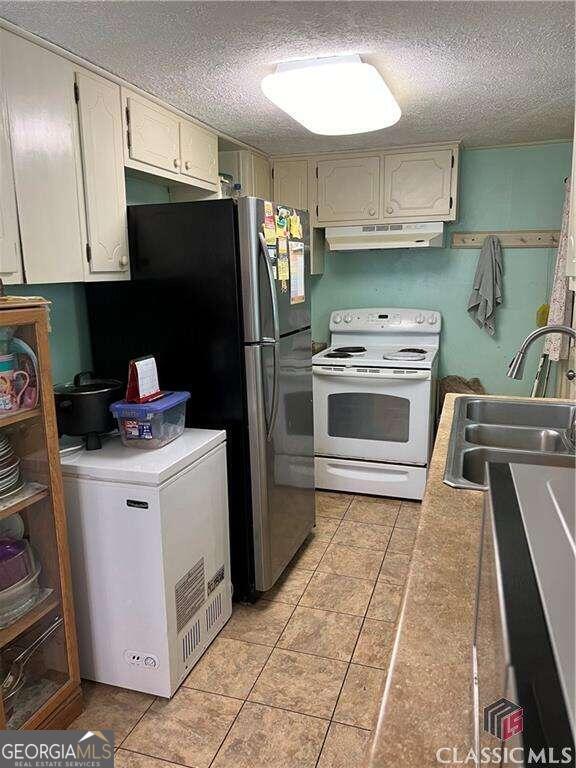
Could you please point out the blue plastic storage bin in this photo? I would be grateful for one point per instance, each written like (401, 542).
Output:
(153, 424)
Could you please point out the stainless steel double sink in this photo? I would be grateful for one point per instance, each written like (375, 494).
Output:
(520, 432)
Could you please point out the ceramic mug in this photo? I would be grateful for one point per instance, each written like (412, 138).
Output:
(10, 393)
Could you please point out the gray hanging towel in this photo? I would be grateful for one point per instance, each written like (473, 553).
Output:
(486, 293)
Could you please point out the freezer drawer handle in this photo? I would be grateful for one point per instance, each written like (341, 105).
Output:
(271, 422)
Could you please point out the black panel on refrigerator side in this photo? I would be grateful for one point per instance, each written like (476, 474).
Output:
(183, 305)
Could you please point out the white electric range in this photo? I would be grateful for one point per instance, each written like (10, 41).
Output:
(374, 401)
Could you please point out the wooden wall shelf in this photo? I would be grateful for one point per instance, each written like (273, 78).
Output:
(527, 238)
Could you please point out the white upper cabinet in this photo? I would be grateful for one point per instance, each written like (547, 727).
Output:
(153, 134)
(99, 109)
(46, 157)
(261, 177)
(248, 169)
(161, 143)
(10, 261)
(418, 184)
(349, 189)
(199, 152)
(291, 183)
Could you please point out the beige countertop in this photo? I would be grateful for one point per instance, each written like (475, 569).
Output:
(427, 700)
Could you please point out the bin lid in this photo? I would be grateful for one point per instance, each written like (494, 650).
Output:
(114, 462)
(123, 408)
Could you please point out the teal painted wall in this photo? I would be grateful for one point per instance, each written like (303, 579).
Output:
(70, 339)
(502, 188)
(140, 191)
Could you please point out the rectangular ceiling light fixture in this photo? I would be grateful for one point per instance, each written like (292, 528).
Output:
(333, 96)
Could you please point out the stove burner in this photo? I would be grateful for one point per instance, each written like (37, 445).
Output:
(337, 354)
(406, 353)
(350, 350)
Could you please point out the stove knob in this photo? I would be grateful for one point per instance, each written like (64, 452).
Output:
(419, 319)
(432, 319)
(348, 318)
(336, 319)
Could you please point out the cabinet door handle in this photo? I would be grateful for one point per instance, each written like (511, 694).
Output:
(371, 211)
(176, 163)
(389, 209)
(123, 260)
(187, 165)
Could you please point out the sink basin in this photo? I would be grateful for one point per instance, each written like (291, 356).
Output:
(474, 461)
(521, 438)
(531, 432)
(508, 412)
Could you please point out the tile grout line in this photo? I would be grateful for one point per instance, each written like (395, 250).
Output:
(324, 740)
(349, 663)
(137, 723)
(245, 701)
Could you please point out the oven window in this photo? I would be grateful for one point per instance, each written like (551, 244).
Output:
(369, 416)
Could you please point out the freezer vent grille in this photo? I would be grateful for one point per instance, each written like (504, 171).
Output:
(213, 612)
(190, 641)
(190, 594)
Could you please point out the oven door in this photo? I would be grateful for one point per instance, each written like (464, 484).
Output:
(379, 415)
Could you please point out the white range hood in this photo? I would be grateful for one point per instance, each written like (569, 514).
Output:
(429, 234)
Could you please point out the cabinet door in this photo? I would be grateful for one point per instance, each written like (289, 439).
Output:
(349, 189)
(261, 177)
(47, 167)
(154, 135)
(100, 113)
(418, 183)
(10, 262)
(291, 183)
(199, 152)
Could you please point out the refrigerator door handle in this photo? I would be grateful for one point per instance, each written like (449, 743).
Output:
(273, 296)
(275, 392)
(271, 422)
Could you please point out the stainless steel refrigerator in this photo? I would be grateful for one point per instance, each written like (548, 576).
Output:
(220, 295)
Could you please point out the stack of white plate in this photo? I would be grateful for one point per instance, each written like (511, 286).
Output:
(10, 478)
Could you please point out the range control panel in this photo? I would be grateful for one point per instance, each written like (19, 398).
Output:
(383, 319)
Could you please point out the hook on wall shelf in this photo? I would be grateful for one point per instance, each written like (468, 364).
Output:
(527, 238)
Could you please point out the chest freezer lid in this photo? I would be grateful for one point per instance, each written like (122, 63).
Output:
(114, 462)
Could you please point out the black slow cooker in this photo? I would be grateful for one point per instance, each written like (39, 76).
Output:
(83, 407)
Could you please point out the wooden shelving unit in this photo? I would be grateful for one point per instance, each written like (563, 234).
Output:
(30, 494)
(51, 696)
(27, 621)
(19, 416)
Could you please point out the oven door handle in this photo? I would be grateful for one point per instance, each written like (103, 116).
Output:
(404, 376)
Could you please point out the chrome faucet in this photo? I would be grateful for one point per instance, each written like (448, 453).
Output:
(516, 367)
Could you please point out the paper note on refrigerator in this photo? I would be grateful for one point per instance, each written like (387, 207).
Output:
(297, 289)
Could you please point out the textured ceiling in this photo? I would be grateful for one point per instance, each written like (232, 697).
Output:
(483, 72)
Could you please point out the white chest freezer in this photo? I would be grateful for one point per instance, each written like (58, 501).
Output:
(149, 547)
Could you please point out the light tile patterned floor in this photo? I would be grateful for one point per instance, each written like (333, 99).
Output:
(295, 680)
